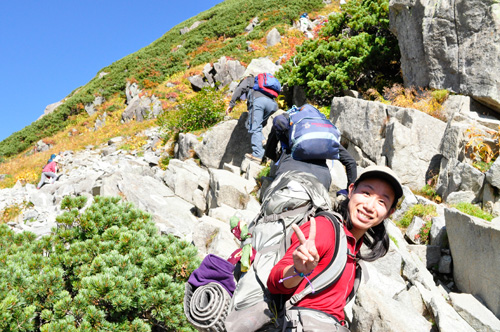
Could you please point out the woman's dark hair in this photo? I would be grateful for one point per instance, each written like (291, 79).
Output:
(376, 238)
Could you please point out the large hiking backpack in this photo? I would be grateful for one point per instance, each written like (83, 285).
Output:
(267, 84)
(292, 198)
(312, 135)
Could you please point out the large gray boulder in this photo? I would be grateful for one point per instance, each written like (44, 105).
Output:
(229, 188)
(362, 123)
(153, 196)
(42, 146)
(454, 138)
(491, 199)
(90, 108)
(446, 318)
(374, 312)
(450, 44)
(476, 253)
(50, 108)
(384, 274)
(404, 139)
(213, 236)
(474, 312)
(226, 142)
(138, 109)
(412, 146)
(184, 148)
(131, 91)
(260, 65)
(227, 70)
(493, 174)
(187, 179)
(197, 82)
(463, 125)
(221, 73)
(459, 176)
(471, 109)
(273, 37)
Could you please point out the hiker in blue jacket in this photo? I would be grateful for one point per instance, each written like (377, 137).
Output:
(317, 167)
(260, 107)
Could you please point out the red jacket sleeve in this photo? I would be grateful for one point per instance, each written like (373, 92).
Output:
(325, 244)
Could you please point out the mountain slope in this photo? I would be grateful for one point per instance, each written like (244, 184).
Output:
(221, 32)
(171, 58)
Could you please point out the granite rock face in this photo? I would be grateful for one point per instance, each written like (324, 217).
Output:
(450, 44)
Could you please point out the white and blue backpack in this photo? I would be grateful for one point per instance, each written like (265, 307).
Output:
(311, 135)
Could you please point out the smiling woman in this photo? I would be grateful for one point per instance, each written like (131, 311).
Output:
(370, 204)
(372, 198)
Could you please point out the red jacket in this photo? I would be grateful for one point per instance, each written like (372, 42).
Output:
(333, 299)
(50, 167)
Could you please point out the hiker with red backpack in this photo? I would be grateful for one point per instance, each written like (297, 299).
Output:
(260, 92)
(371, 199)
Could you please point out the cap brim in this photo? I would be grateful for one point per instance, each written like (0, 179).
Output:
(393, 181)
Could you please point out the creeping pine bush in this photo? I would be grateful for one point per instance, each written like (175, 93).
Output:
(355, 50)
(102, 269)
(423, 211)
(473, 210)
(202, 111)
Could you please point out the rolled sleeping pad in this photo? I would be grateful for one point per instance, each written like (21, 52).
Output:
(206, 307)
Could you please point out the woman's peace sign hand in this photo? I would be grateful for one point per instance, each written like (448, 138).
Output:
(305, 256)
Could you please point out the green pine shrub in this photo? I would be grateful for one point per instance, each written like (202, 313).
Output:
(264, 172)
(355, 50)
(429, 192)
(425, 212)
(473, 210)
(394, 240)
(202, 111)
(102, 269)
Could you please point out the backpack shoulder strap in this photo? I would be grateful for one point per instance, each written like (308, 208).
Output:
(333, 271)
(357, 280)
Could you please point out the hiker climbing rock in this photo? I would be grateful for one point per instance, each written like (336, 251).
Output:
(49, 171)
(371, 199)
(322, 145)
(260, 92)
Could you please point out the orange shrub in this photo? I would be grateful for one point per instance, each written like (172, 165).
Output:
(149, 84)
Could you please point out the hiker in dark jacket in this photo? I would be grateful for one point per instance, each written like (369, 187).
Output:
(260, 107)
(285, 162)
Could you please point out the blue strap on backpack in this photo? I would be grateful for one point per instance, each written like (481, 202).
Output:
(312, 136)
(267, 84)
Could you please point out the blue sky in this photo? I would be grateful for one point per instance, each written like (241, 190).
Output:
(49, 48)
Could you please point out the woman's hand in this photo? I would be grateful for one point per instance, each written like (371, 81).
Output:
(305, 256)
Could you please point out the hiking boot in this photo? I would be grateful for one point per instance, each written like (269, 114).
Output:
(253, 158)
